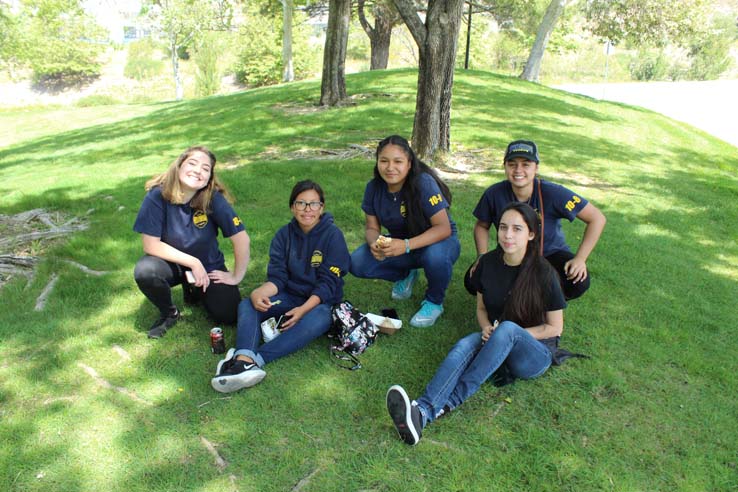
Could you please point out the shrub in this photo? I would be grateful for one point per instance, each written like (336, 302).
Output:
(206, 57)
(647, 65)
(259, 59)
(144, 60)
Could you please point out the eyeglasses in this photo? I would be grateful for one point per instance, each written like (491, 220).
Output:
(302, 205)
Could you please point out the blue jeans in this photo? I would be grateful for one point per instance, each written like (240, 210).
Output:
(248, 340)
(437, 260)
(470, 363)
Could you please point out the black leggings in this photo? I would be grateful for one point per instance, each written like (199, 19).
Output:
(156, 277)
(557, 260)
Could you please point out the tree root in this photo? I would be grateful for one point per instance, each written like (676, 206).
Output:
(105, 384)
(219, 461)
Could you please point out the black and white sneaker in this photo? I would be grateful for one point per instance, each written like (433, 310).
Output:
(228, 356)
(161, 325)
(234, 374)
(405, 415)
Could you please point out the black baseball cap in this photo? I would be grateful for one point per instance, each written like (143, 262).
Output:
(522, 148)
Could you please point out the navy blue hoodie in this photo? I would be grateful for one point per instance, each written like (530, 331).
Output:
(313, 263)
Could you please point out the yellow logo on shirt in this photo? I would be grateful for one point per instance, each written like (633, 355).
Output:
(403, 209)
(572, 203)
(436, 199)
(200, 219)
(316, 259)
(237, 222)
(335, 270)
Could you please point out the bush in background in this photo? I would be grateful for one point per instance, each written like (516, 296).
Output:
(144, 60)
(259, 59)
(207, 54)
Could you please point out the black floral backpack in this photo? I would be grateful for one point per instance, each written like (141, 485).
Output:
(351, 333)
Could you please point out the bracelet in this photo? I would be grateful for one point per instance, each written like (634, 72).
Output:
(407, 246)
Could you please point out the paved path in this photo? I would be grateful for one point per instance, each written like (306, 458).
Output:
(711, 106)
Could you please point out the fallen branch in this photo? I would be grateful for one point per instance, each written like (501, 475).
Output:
(305, 481)
(85, 269)
(211, 401)
(121, 351)
(41, 299)
(10, 241)
(219, 461)
(105, 384)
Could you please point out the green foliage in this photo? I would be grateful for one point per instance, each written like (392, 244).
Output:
(10, 39)
(645, 22)
(709, 50)
(144, 60)
(259, 59)
(207, 56)
(649, 65)
(62, 43)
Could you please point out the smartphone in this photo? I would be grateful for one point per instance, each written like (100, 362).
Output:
(189, 276)
(282, 319)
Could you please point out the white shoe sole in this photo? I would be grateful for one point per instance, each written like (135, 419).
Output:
(235, 382)
(401, 416)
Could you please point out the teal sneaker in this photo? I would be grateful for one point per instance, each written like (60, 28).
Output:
(426, 315)
(403, 289)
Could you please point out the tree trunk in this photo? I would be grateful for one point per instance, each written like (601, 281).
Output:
(380, 35)
(437, 41)
(533, 65)
(178, 89)
(288, 71)
(333, 85)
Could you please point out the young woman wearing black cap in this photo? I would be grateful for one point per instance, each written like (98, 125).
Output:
(552, 202)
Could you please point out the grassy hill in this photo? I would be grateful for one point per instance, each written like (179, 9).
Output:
(654, 409)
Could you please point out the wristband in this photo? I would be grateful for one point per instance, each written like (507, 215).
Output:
(407, 246)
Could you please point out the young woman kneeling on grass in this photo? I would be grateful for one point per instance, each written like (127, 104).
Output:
(409, 199)
(520, 311)
(179, 222)
(308, 259)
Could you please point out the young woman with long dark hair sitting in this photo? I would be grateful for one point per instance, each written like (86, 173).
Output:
(520, 311)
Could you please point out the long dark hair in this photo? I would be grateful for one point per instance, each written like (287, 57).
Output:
(416, 221)
(306, 185)
(526, 303)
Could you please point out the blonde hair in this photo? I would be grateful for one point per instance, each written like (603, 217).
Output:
(171, 188)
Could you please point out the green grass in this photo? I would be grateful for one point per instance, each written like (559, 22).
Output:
(654, 409)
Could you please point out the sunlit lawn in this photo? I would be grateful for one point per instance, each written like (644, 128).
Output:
(654, 409)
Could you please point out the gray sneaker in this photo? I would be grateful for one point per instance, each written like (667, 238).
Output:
(406, 416)
(236, 374)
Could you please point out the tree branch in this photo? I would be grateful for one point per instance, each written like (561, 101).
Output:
(410, 16)
(362, 19)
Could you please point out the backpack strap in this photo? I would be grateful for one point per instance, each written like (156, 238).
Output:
(353, 361)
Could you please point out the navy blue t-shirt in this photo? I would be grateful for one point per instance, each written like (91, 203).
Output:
(558, 203)
(391, 210)
(191, 231)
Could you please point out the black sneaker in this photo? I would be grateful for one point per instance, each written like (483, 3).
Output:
(405, 415)
(161, 325)
(236, 374)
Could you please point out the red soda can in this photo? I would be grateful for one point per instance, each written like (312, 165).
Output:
(217, 341)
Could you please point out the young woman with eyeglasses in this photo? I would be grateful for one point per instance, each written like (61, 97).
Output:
(308, 259)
